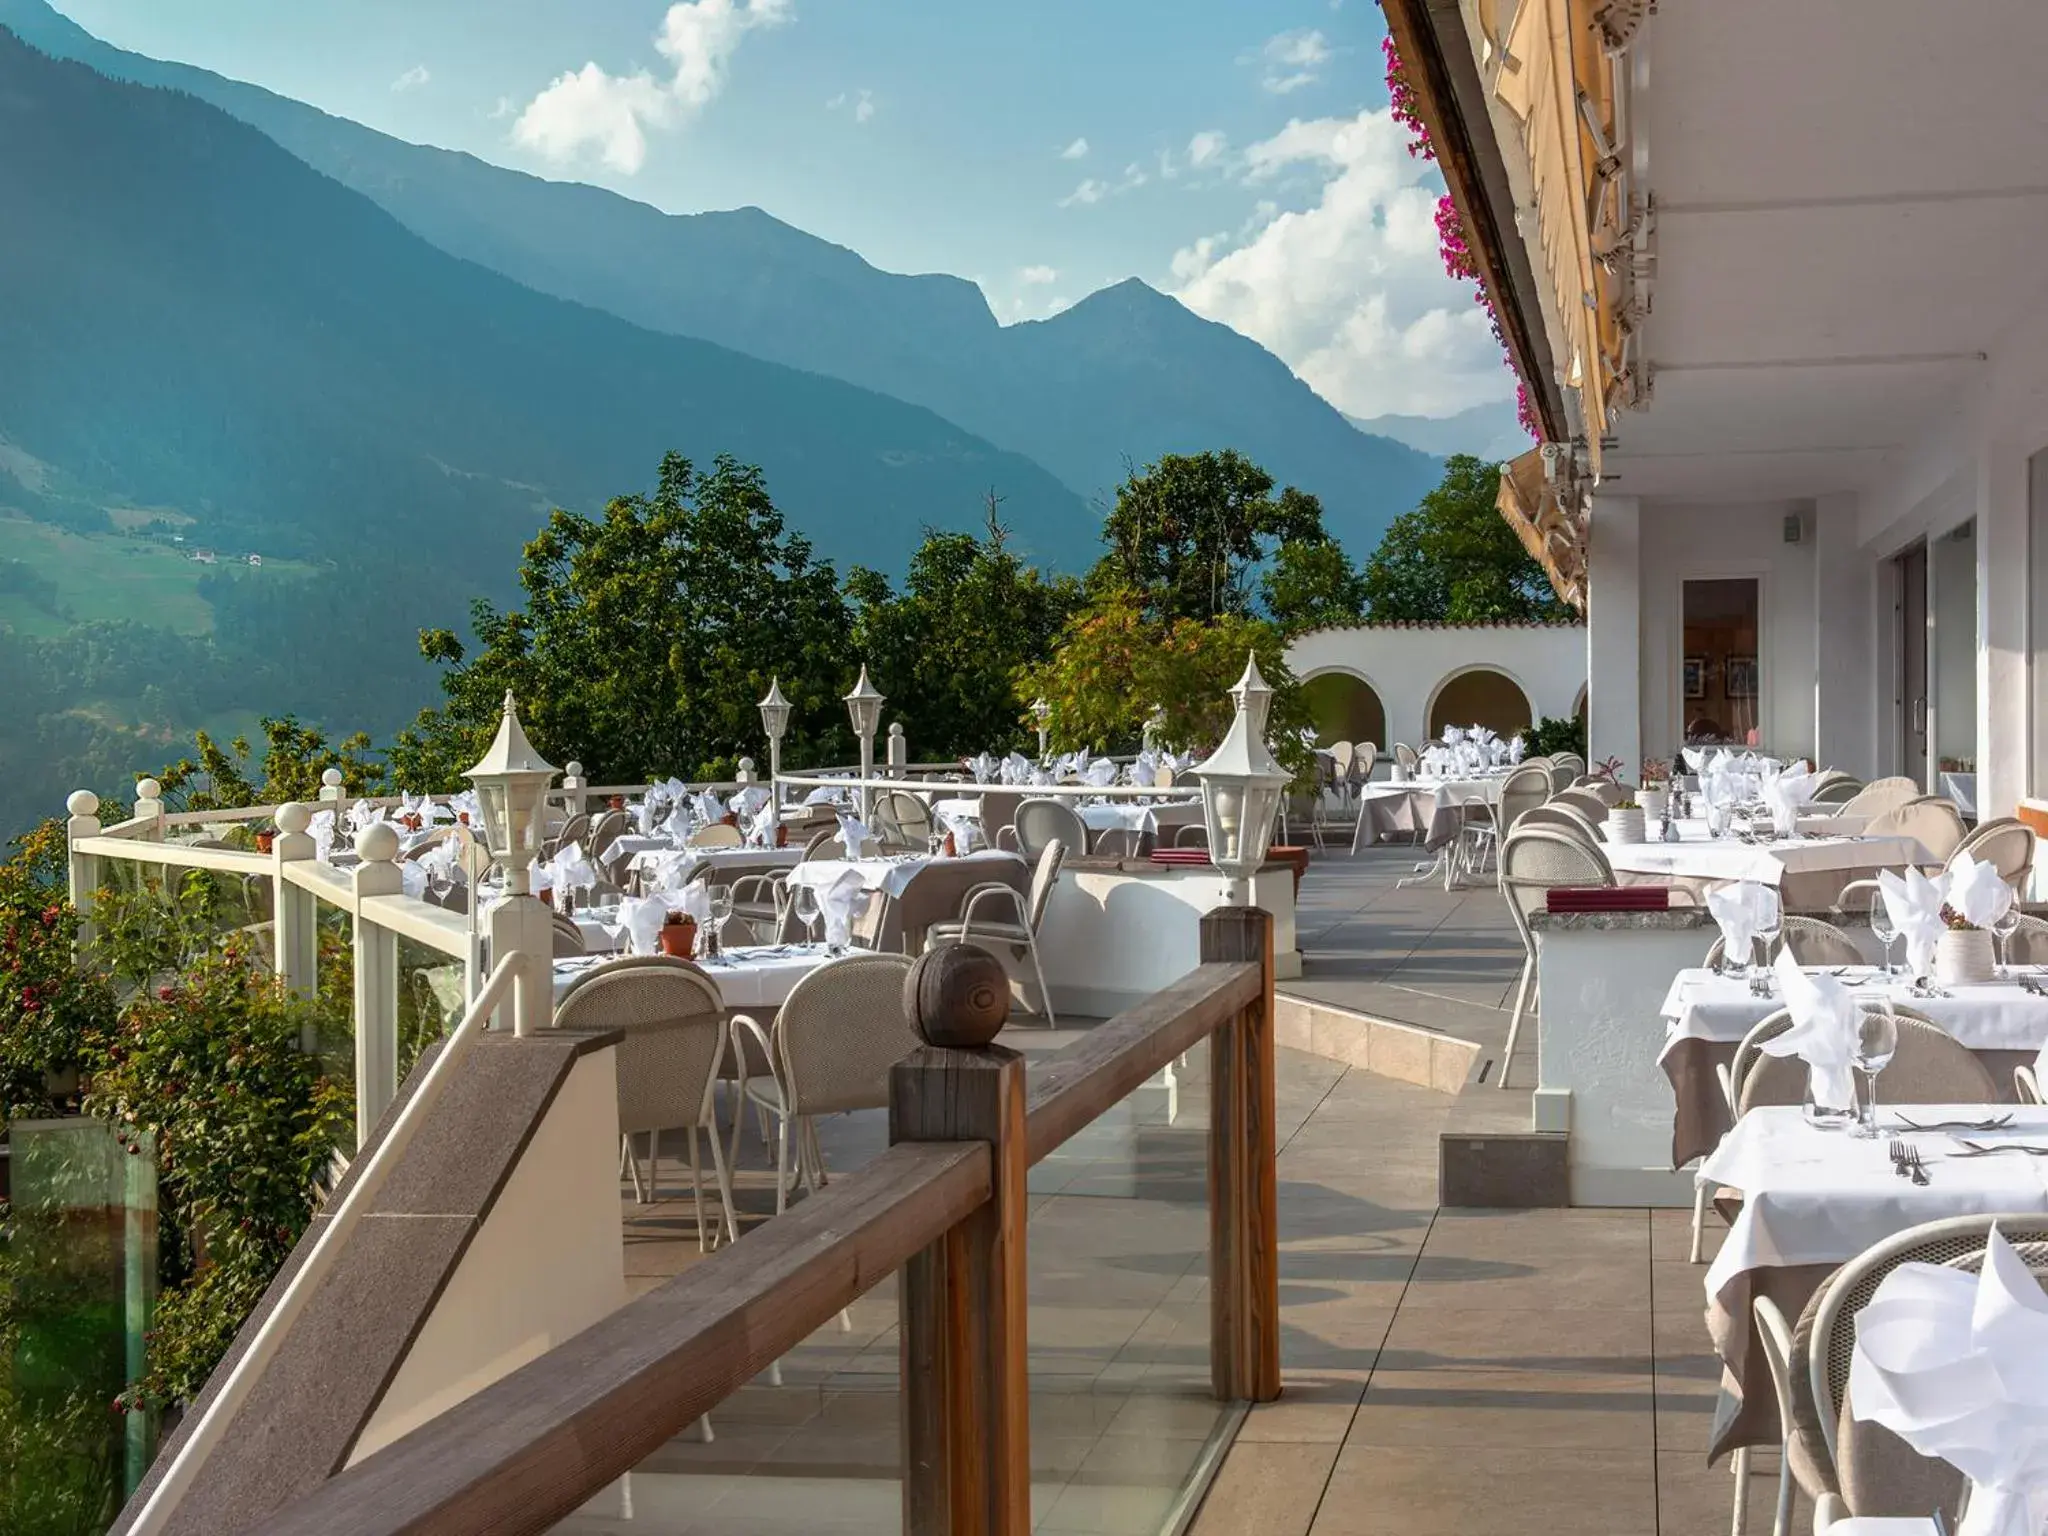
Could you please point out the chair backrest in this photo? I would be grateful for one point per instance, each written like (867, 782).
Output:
(2007, 843)
(1043, 878)
(716, 834)
(998, 810)
(1612, 791)
(574, 830)
(568, 937)
(1567, 819)
(2026, 1086)
(1585, 801)
(1571, 761)
(1934, 822)
(1754, 1078)
(1163, 777)
(1342, 756)
(1930, 1067)
(1525, 788)
(1836, 791)
(1533, 859)
(840, 1030)
(1811, 940)
(1122, 843)
(673, 1019)
(605, 831)
(1193, 835)
(1405, 756)
(1367, 754)
(1042, 820)
(903, 818)
(1561, 774)
(826, 844)
(1879, 796)
(2028, 943)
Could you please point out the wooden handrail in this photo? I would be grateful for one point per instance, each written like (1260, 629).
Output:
(1079, 1084)
(534, 1446)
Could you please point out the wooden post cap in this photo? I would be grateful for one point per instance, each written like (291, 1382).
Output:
(957, 995)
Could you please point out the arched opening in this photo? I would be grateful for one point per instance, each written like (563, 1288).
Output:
(1481, 696)
(1345, 708)
(1579, 709)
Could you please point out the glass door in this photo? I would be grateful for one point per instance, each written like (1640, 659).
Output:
(1721, 670)
(1911, 608)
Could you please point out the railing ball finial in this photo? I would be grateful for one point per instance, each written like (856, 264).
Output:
(377, 843)
(293, 817)
(83, 802)
(957, 995)
(148, 789)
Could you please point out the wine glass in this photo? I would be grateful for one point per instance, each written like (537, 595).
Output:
(720, 901)
(1769, 924)
(805, 903)
(1877, 1039)
(2002, 931)
(1882, 928)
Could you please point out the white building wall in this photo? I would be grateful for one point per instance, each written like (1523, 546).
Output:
(1408, 664)
(1853, 682)
(1614, 633)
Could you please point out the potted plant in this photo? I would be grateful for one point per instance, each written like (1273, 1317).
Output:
(266, 836)
(679, 936)
(1625, 822)
(1655, 794)
(1963, 953)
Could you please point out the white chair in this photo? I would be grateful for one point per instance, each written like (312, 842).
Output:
(981, 917)
(1046, 820)
(716, 834)
(2026, 1087)
(605, 831)
(574, 830)
(1561, 817)
(1879, 796)
(1405, 758)
(1587, 802)
(1811, 940)
(2007, 843)
(1532, 861)
(1525, 788)
(903, 820)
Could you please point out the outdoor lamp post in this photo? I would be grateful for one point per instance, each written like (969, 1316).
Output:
(1241, 788)
(775, 722)
(1042, 713)
(511, 789)
(864, 705)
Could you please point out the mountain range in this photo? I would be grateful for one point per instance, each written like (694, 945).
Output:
(1118, 379)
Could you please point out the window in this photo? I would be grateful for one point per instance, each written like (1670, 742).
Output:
(1720, 673)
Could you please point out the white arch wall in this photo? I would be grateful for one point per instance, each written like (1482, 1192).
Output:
(1407, 664)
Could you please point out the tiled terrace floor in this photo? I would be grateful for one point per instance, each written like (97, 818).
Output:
(1446, 1371)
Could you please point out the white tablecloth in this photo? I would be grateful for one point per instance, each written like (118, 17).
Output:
(1712, 860)
(889, 876)
(1435, 808)
(694, 861)
(754, 977)
(1992, 1016)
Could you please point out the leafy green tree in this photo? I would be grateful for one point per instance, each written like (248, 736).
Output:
(1188, 532)
(648, 635)
(1453, 559)
(946, 649)
(294, 758)
(1311, 585)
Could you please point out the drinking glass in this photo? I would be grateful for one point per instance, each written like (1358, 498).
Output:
(720, 898)
(805, 904)
(1877, 1039)
(1768, 927)
(2002, 932)
(1882, 928)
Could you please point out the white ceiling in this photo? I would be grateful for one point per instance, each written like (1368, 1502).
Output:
(1852, 208)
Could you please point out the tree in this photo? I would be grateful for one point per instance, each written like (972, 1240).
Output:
(1187, 533)
(946, 650)
(1312, 585)
(648, 636)
(1454, 560)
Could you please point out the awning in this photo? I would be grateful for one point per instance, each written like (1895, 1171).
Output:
(1553, 534)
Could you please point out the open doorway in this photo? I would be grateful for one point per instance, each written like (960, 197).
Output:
(1909, 574)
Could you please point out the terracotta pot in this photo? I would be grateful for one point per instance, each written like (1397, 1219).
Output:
(617, 802)
(679, 937)
(781, 836)
(547, 897)
(731, 818)
(264, 841)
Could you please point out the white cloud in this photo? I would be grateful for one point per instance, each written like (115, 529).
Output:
(504, 108)
(863, 104)
(412, 79)
(1039, 275)
(1291, 60)
(1349, 291)
(836, 102)
(1090, 191)
(1078, 150)
(1206, 146)
(590, 109)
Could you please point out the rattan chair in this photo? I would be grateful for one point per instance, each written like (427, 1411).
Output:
(1879, 796)
(1586, 801)
(1045, 820)
(836, 1036)
(1564, 818)
(1525, 788)
(1000, 914)
(2026, 1086)
(1835, 792)
(2027, 944)
(715, 834)
(1533, 859)
(568, 937)
(605, 831)
(574, 830)
(673, 1020)
(1405, 758)
(2007, 843)
(1301, 811)
(1812, 940)
(1343, 763)
(903, 821)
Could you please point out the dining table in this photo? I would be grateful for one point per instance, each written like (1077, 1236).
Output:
(1706, 1013)
(1432, 810)
(907, 893)
(1812, 1198)
(1808, 869)
(756, 976)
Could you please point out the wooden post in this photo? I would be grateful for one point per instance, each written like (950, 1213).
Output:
(84, 822)
(1244, 1234)
(965, 1381)
(376, 990)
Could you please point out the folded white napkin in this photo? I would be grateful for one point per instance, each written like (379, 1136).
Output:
(441, 863)
(1101, 773)
(982, 766)
(571, 869)
(824, 794)
(839, 901)
(1823, 1032)
(1914, 904)
(639, 922)
(966, 829)
(465, 803)
(650, 812)
(1453, 734)
(1145, 768)
(854, 835)
(762, 823)
(363, 814)
(667, 871)
(413, 879)
(1040, 776)
(539, 877)
(709, 807)
(1743, 909)
(1517, 749)
(1785, 793)
(1016, 769)
(321, 830)
(676, 789)
(1978, 891)
(1956, 1365)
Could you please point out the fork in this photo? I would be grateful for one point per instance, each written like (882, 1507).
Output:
(1982, 1149)
(1897, 1153)
(1916, 1166)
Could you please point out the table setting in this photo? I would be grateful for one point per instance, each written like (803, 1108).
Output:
(749, 976)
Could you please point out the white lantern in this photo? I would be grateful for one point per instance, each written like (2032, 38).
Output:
(511, 788)
(1042, 713)
(864, 707)
(775, 711)
(1241, 787)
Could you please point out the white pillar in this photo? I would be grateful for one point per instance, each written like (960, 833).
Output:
(2003, 702)
(376, 988)
(867, 771)
(523, 926)
(84, 822)
(1614, 634)
(1846, 716)
(295, 912)
(899, 751)
(330, 785)
(149, 804)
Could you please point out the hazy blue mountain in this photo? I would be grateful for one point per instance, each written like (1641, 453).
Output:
(1484, 431)
(196, 318)
(1126, 375)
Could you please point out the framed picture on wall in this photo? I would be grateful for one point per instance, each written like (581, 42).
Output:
(1695, 677)
(1741, 677)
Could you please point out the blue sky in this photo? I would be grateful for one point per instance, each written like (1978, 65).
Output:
(1234, 152)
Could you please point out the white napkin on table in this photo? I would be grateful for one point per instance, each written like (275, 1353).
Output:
(824, 794)
(1016, 769)
(1101, 773)
(1517, 749)
(321, 830)
(854, 834)
(465, 803)
(761, 824)
(966, 829)
(1453, 734)
(639, 923)
(749, 800)
(1145, 769)
(1978, 891)
(982, 766)
(838, 902)
(1040, 776)
(413, 879)
(571, 869)
(1914, 904)
(1956, 1365)
(441, 863)
(1785, 793)
(667, 871)
(649, 813)
(1823, 1032)
(709, 807)
(1743, 909)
